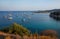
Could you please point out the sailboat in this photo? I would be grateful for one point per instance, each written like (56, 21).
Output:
(10, 17)
(9, 14)
(5, 16)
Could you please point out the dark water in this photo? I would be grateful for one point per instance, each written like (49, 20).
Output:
(32, 21)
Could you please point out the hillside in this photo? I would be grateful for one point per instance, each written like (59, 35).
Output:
(16, 29)
(46, 11)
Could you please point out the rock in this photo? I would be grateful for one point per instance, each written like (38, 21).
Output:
(55, 15)
(50, 33)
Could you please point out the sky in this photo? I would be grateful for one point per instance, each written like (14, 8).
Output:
(22, 5)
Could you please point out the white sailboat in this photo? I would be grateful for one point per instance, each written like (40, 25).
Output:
(10, 17)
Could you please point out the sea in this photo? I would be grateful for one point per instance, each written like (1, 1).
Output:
(35, 22)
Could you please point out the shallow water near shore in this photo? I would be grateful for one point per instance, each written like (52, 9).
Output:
(32, 21)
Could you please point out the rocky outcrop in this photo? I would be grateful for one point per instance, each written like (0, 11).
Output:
(55, 15)
(49, 34)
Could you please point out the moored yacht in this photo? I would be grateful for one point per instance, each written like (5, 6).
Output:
(10, 18)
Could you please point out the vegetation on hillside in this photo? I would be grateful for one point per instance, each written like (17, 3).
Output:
(16, 29)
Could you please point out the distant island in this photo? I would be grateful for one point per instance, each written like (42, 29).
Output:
(46, 11)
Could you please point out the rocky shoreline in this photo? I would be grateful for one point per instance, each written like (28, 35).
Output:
(55, 15)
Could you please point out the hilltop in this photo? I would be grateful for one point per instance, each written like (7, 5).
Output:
(46, 11)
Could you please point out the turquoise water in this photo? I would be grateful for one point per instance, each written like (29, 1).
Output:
(33, 21)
